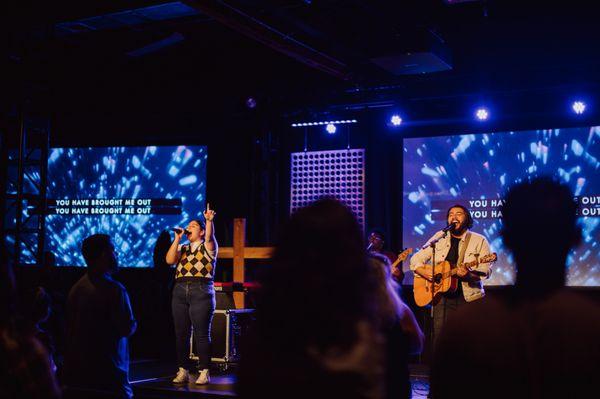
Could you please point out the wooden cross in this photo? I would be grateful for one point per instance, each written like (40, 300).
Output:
(239, 253)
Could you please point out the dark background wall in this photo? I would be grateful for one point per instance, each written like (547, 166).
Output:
(525, 61)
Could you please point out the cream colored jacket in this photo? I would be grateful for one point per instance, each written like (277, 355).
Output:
(478, 246)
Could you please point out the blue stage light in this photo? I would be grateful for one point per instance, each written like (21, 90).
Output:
(251, 102)
(331, 129)
(482, 114)
(395, 120)
(579, 107)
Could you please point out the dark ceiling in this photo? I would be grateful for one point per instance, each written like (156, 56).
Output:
(158, 58)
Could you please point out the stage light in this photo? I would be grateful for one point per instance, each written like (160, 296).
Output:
(482, 114)
(579, 107)
(251, 102)
(331, 129)
(324, 123)
(395, 120)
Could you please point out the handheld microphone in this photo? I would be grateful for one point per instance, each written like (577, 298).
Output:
(369, 246)
(179, 231)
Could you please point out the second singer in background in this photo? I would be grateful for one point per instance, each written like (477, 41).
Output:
(193, 302)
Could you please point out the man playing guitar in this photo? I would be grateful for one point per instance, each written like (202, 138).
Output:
(376, 242)
(458, 247)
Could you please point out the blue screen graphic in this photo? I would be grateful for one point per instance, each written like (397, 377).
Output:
(477, 169)
(129, 193)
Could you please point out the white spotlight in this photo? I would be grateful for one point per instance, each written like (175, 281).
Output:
(482, 114)
(579, 107)
(396, 120)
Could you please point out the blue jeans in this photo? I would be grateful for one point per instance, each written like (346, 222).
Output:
(444, 309)
(193, 305)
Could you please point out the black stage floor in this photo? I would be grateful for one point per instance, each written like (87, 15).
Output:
(152, 379)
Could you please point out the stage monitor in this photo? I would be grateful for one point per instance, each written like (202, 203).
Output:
(130, 193)
(477, 169)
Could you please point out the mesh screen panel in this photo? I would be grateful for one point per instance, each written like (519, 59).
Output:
(339, 174)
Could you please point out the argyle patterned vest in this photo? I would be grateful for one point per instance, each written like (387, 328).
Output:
(196, 263)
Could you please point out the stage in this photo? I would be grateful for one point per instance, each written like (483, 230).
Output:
(152, 379)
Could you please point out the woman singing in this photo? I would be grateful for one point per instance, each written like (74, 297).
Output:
(193, 300)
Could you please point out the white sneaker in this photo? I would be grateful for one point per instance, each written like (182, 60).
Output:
(182, 376)
(203, 378)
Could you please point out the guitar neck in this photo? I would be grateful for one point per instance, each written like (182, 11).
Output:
(468, 265)
(471, 264)
(402, 257)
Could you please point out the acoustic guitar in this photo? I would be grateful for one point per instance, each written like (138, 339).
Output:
(445, 280)
(396, 271)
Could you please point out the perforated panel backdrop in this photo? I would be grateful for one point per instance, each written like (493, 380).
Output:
(338, 173)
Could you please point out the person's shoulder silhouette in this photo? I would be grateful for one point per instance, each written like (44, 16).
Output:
(534, 334)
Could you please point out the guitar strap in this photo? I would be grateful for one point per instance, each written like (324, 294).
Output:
(463, 249)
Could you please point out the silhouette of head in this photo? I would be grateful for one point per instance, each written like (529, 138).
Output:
(539, 227)
(316, 304)
(319, 269)
(99, 253)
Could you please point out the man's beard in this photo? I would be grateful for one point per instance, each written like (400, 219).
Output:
(458, 229)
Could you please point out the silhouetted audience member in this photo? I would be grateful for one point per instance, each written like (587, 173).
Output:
(37, 311)
(25, 370)
(51, 283)
(161, 247)
(99, 321)
(541, 342)
(403, 336)
(316, 332)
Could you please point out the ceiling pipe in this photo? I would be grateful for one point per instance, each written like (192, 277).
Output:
(255, 29)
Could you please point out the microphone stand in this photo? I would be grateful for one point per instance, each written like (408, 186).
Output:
(432, 244)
